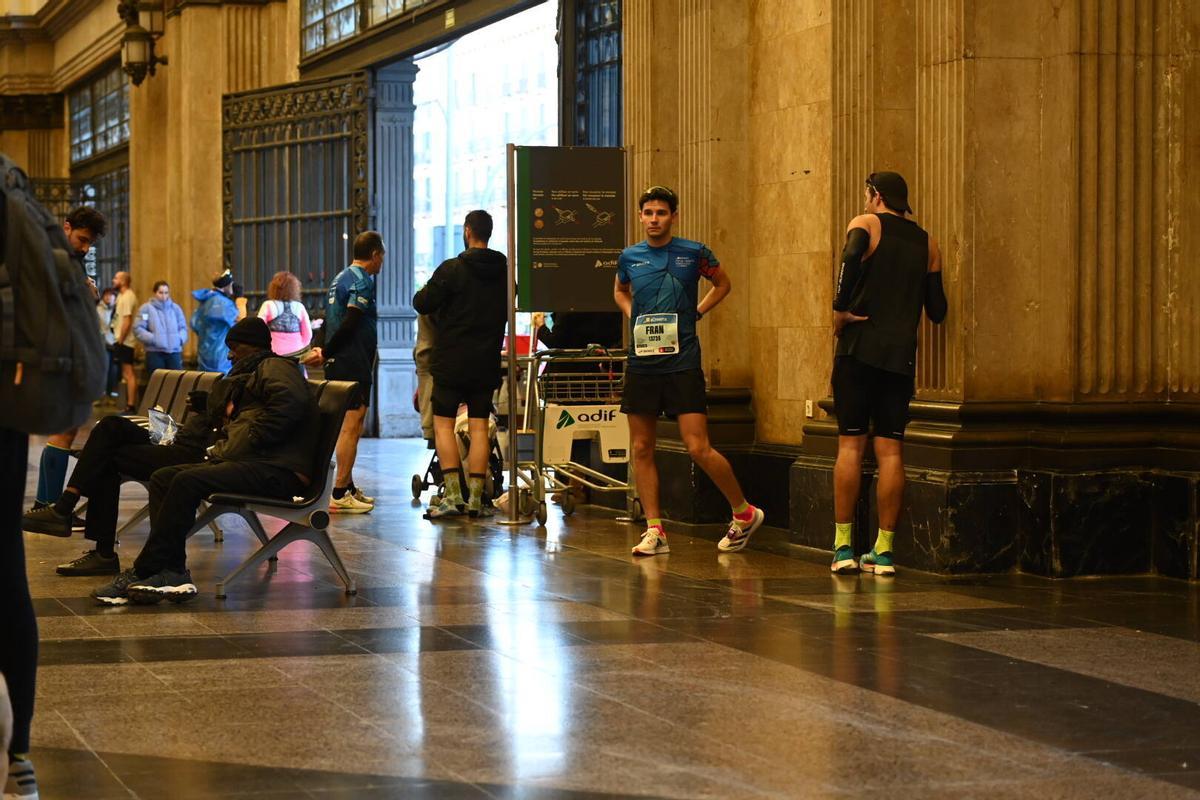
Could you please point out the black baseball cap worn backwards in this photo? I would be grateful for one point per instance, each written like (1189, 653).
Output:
(893, 188)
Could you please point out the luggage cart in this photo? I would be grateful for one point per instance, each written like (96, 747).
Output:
(559, 407)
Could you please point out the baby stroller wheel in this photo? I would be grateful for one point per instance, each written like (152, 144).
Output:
(418, 486)
(568, 503)
(541, 513)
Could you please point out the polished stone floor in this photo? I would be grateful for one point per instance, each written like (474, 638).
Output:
(481, 661)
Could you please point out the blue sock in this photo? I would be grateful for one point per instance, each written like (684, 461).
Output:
(52, 473)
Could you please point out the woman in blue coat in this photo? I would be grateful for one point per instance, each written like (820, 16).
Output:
(162, 330)
(212, 319)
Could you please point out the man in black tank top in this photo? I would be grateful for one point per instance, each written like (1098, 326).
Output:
(891, 270)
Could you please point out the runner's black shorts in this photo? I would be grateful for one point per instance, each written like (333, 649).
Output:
(122, 354)
(868, 397)
(361, 397)
(667, 393)
(447, 399)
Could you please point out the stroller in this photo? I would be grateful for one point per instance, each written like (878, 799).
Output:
(433, 472)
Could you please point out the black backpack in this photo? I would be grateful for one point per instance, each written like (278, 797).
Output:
(52, 358)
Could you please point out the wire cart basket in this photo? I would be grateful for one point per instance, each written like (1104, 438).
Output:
(572, 395)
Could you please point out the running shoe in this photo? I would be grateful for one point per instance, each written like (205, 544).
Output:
(116, 592)
(90, 563)
(739, 532)
(653, 543)
(843, 561)
(22, 782)
(348, 504)
(46, 520)
(878, 563)
(165, 585)
(362, 498)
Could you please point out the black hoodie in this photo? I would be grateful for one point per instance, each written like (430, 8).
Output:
(468, 299)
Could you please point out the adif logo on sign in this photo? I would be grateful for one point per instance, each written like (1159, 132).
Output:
(564, 420)
(603, 264)
(602, 415)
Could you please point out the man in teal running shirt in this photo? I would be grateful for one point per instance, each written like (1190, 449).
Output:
(657, 286)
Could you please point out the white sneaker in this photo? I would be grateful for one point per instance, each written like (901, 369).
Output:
(653, 543)
(739, 532)
(362, 498)
(348, 504)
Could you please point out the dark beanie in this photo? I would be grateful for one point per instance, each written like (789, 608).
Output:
(223, 280)
(252, 331)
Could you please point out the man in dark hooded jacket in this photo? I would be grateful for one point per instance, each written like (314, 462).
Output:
(264, 446)
(467, 296)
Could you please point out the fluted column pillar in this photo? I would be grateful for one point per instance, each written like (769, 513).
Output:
(393, 167)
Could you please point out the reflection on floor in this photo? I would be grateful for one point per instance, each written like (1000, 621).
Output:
(483, 661)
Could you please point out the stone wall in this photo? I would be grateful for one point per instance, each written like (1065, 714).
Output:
(729, 103)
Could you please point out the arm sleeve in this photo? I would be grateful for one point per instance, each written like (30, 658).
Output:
(851, 271)
(264, 311)
(935, 297)
(181, 323)
(345, 331)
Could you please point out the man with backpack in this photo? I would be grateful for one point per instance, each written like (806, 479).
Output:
(83, 227)
(52, 365)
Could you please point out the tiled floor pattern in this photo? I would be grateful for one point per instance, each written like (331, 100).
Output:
(482, 661)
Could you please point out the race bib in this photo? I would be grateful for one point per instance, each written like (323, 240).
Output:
(656, 335)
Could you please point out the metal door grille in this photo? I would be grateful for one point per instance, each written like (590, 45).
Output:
(296, 182)
(108, 193)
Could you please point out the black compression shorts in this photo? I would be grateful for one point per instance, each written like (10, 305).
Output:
(669, 393)
(868, 398)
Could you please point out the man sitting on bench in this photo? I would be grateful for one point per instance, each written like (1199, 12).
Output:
(264, 447)
(118, 448)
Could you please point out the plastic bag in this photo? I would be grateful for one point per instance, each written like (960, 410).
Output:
(162, 427)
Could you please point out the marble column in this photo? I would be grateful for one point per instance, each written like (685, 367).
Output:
(393, 191)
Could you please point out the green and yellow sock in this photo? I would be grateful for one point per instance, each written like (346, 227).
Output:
(475, 483)
(842, 533)
(656, 522)
(883, 541)
(453, 487)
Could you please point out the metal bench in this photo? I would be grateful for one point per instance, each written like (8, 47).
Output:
(307, 517)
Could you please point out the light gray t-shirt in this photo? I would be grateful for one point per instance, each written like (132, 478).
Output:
(127, 306)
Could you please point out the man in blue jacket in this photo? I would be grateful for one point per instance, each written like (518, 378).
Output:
(212, 320)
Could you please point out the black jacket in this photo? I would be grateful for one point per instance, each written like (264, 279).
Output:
(468, 299)
(274, 419)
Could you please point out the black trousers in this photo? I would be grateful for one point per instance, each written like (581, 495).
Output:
(18, 625)
(116, 447)
(175, 495)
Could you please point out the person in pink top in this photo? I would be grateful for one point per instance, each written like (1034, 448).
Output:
(285, 315)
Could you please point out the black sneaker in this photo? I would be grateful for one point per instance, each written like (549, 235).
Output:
(167, 584)
(46, 520)
(91, 563)
(116, 592)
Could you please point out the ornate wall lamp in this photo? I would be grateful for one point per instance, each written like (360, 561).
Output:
(143, 27)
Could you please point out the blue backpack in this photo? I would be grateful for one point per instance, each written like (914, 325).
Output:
(52, 358)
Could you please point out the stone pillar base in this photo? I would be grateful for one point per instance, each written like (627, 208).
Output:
(1055, 491)
(397, 379)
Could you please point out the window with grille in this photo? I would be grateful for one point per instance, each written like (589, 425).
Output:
(99, 115)
(327, 22)
(382, 9)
